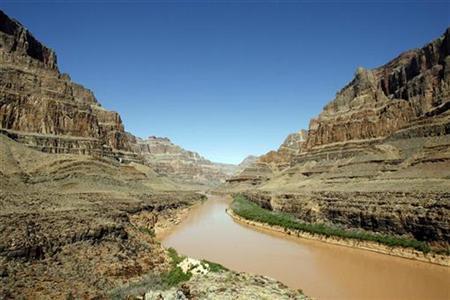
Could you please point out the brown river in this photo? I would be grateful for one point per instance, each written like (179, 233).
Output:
(323, 271)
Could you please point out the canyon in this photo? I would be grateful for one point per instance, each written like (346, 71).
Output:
(83, 200)
(45, 110)
(188, 167)
(377, 158)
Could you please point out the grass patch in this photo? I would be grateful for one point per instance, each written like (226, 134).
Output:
(251, 211)
(175, 257)
(175, 274)
(214, 267)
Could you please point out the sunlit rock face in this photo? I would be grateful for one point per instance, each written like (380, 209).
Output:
(413, 90)
(43, 108)
(169, 159)
(376, 158)
(407, 98)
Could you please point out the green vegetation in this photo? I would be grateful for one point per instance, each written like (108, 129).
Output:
(150, 232)
(175, 274)
(175, 257)
(251, 211)
(214, 267)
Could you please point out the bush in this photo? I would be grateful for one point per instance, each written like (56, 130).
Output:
(175, 276)
(251, 211)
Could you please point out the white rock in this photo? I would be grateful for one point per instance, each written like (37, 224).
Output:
(194, 266)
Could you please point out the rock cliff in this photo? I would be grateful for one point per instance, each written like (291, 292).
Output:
(43, 108)
(376, 158)
(260, 169)
(177, 163)
(410, 92)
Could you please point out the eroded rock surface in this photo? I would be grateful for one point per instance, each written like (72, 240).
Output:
(77, 225)
(376, 158)
(44, 109)
(177, 163)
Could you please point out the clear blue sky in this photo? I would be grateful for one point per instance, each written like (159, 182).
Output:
(224, 79)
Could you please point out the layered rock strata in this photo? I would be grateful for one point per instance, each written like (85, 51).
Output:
(44, 108)
(377, 157)
(423, 216)
(260, 169)
(171, 160)
(77, 226)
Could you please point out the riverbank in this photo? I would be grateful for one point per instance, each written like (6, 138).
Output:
(185, 278)
(169, 219)
(256, 216)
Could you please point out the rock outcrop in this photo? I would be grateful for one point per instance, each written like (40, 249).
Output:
(177, 163)
(377, 157)
(260, 169)
(43, 108)
(413, 90)
(246, 162)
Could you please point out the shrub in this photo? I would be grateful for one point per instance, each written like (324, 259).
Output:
(175, 257)
(175, 276)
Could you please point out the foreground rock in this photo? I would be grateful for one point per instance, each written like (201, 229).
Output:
(209, 283)
(378, 156)
(227, 285)
(77, 225)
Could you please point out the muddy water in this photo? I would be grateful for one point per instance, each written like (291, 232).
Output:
(322, 270)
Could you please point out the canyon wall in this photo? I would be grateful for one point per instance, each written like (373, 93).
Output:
(171, 160)
(376, 158)
(43, 108)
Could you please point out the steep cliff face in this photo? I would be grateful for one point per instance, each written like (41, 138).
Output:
(378, 156)
(260, 169)
(17, 39)
(398, 95)
(292, 146)
(44, 108)
(171, 160)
